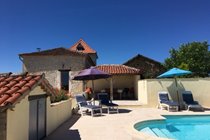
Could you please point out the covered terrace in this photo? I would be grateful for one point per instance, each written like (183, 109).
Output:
(122, 85)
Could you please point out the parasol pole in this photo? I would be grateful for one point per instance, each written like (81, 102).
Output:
(177, 92)
(93, 92)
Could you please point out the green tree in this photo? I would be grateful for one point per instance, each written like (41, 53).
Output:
(193, 56)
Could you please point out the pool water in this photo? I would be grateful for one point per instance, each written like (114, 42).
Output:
(187, 127)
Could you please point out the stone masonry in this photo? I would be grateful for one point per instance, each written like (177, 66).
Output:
(149, 67)
(50, 63)
(51, 66)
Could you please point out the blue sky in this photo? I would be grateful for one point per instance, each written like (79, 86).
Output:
(117, 29)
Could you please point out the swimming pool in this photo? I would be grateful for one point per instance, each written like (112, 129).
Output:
(180, 127)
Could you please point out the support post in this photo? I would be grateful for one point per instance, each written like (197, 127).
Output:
(111, 88)
(93, 98)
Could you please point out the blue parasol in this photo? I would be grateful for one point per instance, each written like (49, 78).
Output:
(174, 72)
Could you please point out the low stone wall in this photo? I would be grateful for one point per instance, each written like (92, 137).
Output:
(58, 113)
(3, 125)
(148, 89)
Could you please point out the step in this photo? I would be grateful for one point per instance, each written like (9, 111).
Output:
(159, 133)
(167, 133)
(147, 130)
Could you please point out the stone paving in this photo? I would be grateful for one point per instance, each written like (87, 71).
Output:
(111, 126)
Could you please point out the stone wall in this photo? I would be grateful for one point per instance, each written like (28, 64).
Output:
(52, 76)
(3, 125)
(52, 63)
(54, 79)
(76, 86)
(150, 68)
(50, 66)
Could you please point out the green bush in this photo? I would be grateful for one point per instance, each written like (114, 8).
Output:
(61, 95)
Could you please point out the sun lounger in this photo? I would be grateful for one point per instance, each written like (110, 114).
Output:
(104, 101)
(85, 106)
(165, 103)
(189, 102)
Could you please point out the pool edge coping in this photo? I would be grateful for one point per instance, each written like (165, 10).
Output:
(137, 135)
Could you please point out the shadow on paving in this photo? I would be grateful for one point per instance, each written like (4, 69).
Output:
(206, 109)
(63, 132)
(104, 112)
(124, 110)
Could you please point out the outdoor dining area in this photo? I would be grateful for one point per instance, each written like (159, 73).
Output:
(118, 93)
(118, 81)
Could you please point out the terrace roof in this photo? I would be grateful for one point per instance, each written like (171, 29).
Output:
(116, 69)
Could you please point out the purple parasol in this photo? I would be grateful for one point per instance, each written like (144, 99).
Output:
(91, 74)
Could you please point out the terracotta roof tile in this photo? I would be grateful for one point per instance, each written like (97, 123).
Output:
(20, 84)
(1, 78)
(30, 84)
(13, 87)
(12, 90)
(12, 99)
(84, 45)
(118, 69)
(3, 99)
(3, 83)
(2, 90)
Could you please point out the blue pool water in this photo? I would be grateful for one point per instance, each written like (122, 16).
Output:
(188, 127)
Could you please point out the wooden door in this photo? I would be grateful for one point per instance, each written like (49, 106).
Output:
(37, 118)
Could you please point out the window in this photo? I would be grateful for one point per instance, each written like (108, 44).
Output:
(80, 47)
(64, 79)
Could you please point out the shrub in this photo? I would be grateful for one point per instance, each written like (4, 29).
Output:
(60, 95)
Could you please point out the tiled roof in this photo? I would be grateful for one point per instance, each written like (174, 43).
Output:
(13, 88)
(55, 51)
(82, 43)
(118, 69)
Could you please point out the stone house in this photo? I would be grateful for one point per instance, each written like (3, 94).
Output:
(23, 106)
(60, 64)
(150, 68)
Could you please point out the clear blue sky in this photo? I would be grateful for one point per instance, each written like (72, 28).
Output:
(117, 29)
